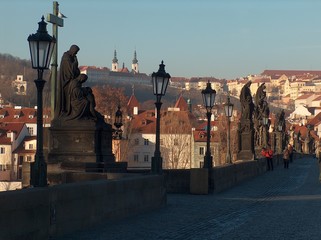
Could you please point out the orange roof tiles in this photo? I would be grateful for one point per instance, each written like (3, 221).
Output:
(23, 115)
(181, 104)
(9, 127)
(290, 72)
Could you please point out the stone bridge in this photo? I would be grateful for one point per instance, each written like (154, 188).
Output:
(279, 204)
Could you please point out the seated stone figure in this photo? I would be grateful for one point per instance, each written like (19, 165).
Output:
(82, 100)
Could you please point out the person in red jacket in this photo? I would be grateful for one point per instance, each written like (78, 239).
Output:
(268, 154)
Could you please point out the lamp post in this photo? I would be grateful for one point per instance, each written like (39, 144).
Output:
(208, 95)
(118, 123)
(160, 81)
(41, 46)
(228, 113)
(280, 137)
(265, 120)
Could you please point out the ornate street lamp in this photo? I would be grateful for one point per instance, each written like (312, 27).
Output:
(160, 81)
(265, 121)
(41, 46)
(118, 123)
(228, 113)
(208, 99)
(280, 127)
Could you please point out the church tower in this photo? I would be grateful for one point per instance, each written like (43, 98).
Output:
(135, 64)
(114, 65)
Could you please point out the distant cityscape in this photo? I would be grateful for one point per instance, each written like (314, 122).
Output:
(183, 138)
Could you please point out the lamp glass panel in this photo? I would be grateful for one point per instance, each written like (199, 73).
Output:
(43, 53)
(228, 110)
(166, 80)
(33, 52)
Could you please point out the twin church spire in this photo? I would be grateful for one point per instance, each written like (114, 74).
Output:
(114, 65)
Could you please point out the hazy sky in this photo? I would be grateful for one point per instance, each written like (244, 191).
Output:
(219, 38)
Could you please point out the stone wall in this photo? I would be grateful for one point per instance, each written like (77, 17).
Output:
(38, 213)
(221, 177)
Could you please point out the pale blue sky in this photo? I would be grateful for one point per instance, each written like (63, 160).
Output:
(219, 38)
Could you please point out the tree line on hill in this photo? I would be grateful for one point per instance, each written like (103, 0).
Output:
(11, 66)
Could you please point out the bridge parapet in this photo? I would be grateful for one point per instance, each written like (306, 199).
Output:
(38, 213)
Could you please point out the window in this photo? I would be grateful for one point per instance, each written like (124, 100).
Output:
(30, 130)
(136, 141)
(29, 158)
(146, 158)
(175, 142)
(20, 160)
(8, 166)
(146, 142)
(30, 146)
(135, 157)
(202, 150)
(161, 141)
(2, 150)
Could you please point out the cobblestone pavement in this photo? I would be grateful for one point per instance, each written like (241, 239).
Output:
(281, 204)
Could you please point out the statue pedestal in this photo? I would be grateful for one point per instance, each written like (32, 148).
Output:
(246, 141)
(81, 145)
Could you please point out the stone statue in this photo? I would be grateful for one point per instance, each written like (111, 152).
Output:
(81, 100)
(246, 102)
(280, 120)
(68, 71)
(73, 100)
(261, 111)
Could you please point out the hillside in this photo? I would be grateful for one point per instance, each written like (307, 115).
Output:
(10, 67)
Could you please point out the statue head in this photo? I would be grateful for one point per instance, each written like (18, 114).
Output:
(74, 49)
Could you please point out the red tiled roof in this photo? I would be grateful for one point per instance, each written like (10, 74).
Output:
(181, 121)
(290, 72)
(83, 68)
(23, 115)
(181, 104)
(304, 96)
(317, 98)
(262, 80)
(7, 127)
(21, 148)
(316, 120)
(144, 122)
(124, 70)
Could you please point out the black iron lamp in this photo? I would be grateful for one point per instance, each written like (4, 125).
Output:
(41, 46)
(209, 95)
(160, 81)
(118, 123)
(228, 113)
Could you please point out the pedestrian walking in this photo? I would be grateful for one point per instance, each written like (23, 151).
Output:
(291, 152)
(319, 160)
(268, 154)
(286, 157)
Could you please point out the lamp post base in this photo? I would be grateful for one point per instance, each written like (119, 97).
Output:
(228, 159)
(208, 162)
(38, 173)
(157, 165)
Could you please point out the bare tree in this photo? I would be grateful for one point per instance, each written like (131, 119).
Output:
(176, 140)
(108, 99)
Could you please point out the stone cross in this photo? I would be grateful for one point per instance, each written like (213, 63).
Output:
(56, 22)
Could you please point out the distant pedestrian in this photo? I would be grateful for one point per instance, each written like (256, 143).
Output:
(319, 160)
(268, 154)
(291, 152)
(286, 157)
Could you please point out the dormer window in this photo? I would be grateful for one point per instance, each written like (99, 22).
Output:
(1, 115)
(16, 116)
(31, 116)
